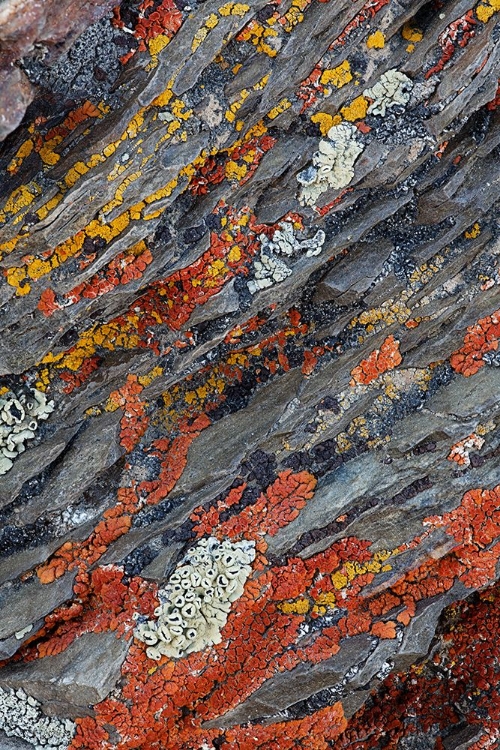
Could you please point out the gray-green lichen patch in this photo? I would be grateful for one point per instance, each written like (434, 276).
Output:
(269, 269)
(21, 716)
(195, 604)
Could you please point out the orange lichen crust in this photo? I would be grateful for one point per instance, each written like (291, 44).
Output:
(316, 83)
(168, 302)
(480, 338)
(262, 634)
(44, 141)
(455, 690)
(156, 20)
(126, 267)
(380, 360)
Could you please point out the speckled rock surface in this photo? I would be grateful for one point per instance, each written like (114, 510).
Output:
(39, 28)
(251, 253)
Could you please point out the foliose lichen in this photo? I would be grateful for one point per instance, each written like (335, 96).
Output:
(268, 270)
(195, 604)
(333, 163)
(393, 88)
(21, 716)
(19, 416)
(285, 242)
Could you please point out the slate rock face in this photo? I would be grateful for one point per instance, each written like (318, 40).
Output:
(251, 253)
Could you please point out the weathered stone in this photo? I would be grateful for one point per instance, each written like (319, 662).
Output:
(70, 683)
(217, 372)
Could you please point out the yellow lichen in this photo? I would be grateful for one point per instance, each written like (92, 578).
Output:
(298, 607)
(375, 40)
(230, 114)
(356, 110)
(411, 33)
(473, 232)
(283, 105)
(327, 599)
(484, 12)
(8, 247)
(295, 14)
(157, 44)
(234, 254)
(235, 171)
(339, 580)
(16, 277)
(325, 121)
(343, 443)
(20, 198)
(22, 152)
(339, 76)
(234, 9)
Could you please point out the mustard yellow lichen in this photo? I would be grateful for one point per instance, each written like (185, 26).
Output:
(325, 121)
(339, 76)
(298, 607)
(411, 33)
(473, 232)
(356, 110)
(283, 105)
(375, 40)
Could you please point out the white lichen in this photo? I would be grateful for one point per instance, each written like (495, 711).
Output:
(195, 603)
(21, 716)
(393, 88)
(19, 416)
(269, 269)
(285, 242)
(333, 163)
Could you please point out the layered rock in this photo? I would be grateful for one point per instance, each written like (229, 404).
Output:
(251, 256)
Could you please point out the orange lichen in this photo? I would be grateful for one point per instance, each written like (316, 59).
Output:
(134, 422)
(480, 338)
(456, 34)
(380, 360)
(316, 732)
(126, 267)
(45, 144)
(460, 451)
(384, 629)
(164, 20)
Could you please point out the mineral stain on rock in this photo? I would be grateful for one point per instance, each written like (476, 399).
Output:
(249, 422)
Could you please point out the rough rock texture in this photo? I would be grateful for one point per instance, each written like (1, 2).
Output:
(43, 27)
(233, 355)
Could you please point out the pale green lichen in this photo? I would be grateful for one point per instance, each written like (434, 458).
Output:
(393, 88)
(21, 716)
(195, 604)
(333, 163)
(20, 413)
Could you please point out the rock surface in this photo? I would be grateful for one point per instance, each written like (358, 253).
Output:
(36, 27)
(251, 253)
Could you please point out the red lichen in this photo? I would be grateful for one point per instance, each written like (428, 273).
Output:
(379, 361)
(460, 451)
(459, 686)
(126, 267)
(237, 164)
(314, 732)
(154, 18)
(480, 338)
(456, 34)
(310, 88)
(134, 422)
